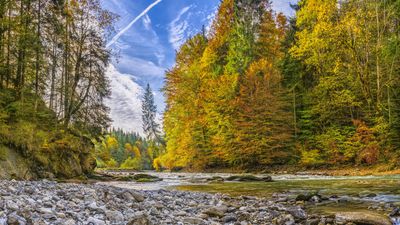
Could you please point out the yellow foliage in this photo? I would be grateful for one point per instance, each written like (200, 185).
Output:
(157, 164)
(112, 163)
(311, 157)
(136, 151)
(111, 142)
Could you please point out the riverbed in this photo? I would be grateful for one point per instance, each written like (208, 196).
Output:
(378, 194)
(200, 198)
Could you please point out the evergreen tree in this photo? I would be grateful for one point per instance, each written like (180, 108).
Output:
(149, 111)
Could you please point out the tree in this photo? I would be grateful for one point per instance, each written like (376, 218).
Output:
(209, 88)
(149, 111)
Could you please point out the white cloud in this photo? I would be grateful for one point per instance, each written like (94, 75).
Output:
(178, 28)
(147, 22)
(141, 67)
(125, 101)
(210, 19)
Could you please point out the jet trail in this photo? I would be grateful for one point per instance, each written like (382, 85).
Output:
(117, 36)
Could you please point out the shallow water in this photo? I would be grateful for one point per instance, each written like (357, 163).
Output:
(387, 188)
(354, 189)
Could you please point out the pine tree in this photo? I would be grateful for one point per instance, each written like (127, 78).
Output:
(149, 111)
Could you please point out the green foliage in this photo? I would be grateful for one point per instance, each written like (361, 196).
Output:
(225, 104)
(36, 136)
(323, 90)
(311, 157)
(120, 149)
(112, 163)
(132, 163)
(3, 152)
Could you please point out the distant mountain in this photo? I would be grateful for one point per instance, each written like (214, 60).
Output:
(125, 101)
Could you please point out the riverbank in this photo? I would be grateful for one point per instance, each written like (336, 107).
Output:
(350, 170)
(47, 202)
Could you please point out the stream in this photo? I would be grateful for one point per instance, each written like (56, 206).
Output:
(343, 193)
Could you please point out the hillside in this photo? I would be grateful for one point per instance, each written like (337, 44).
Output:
(34, 145)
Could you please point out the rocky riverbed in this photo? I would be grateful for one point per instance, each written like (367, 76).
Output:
(49, 202)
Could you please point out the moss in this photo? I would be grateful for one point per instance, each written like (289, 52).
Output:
(248, 178)
(3, 152)
(146, 178)
(32, 130)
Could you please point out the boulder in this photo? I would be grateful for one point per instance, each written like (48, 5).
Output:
(314, 197)
(214, 212)
(140, 219)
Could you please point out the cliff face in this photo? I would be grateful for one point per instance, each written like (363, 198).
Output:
(61, 161)
(34, 145)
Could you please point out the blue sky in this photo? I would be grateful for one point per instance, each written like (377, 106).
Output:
(147, 48)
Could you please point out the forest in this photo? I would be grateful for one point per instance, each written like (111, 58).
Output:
(260, 89)
(52, 83)
(318, 89)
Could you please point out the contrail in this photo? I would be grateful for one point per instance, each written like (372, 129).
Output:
(117, 36)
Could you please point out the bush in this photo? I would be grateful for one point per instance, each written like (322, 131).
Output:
(157, 164)
(312, 157)
(100, 163)
(112, 163)
(131, 163)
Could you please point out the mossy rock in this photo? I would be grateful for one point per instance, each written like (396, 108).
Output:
(147, 180)
(123, 178)
(249, 178)
(306, 196)
(215, 179)
(141, 177)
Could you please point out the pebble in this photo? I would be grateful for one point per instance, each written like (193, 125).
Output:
(47, 202)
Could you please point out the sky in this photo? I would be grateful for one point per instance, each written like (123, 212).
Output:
(148, 33)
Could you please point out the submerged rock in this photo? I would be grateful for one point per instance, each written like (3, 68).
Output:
(367, 194)
(249, 178)
(146, 178)
(215, 179)
(363, 218)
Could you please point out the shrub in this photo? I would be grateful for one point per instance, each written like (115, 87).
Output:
(112, 163)
(131, 163)
(312, 157)
(100, 163)
(157, 164)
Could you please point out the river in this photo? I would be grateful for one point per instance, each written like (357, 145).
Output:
(345, 193)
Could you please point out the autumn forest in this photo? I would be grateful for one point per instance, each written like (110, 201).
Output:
(320, 88)
(259, 89)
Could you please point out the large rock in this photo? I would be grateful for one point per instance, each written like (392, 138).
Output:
(215, 211)
(193, 220)
(140, 219)
(363, 218)
(131, 195)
